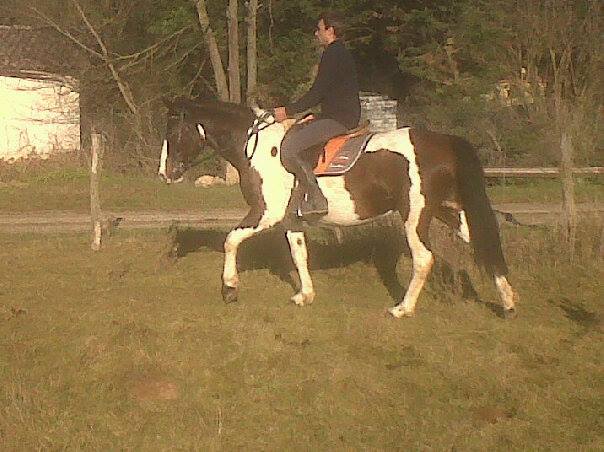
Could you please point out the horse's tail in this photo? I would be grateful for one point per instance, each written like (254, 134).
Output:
(482, 223)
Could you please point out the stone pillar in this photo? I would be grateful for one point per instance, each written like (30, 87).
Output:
(379, 110)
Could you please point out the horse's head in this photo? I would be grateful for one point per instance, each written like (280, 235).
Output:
(183, 143)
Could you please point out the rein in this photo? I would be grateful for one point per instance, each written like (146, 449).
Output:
(262, 120)
(204, 156)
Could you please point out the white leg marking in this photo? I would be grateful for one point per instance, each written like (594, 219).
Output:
(163, 160)
(297, 245)
(464, 230)
(422, 264)
(505, 292)
(232, 242)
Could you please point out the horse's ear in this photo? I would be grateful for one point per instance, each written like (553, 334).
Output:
(287, 123)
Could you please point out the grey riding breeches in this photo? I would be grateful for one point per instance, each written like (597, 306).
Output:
(317, 131)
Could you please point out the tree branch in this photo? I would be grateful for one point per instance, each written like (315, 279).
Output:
(65, 33)
(121, 83)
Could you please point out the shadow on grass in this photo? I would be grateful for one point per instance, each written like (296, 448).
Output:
(379, 246)
(577, 313)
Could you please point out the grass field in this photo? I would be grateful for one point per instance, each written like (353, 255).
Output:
(51, 186)
(133, 349)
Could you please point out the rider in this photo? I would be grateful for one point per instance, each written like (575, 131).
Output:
(336, 90)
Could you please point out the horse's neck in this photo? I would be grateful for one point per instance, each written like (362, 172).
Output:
(231, 149)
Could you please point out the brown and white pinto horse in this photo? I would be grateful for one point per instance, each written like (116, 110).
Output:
(420, 174)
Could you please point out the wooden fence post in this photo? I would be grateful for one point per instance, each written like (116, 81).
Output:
(568, 190)
(95, 203)
(601, 247)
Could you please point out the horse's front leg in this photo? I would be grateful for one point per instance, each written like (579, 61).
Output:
(297, 245)
(246, 229)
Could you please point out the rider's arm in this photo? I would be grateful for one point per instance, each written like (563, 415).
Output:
(326, 76)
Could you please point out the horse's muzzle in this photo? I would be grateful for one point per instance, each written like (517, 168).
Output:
(168, 180)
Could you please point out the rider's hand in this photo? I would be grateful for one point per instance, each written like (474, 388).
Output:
(280, 114)
(307, 118)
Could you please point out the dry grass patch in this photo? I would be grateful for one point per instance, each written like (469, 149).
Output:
(113, 351)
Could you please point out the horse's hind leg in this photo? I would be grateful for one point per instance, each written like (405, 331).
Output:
(454, 217)
(297, 245)
(416, 229)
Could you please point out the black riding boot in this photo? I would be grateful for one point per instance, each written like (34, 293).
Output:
(313, 203)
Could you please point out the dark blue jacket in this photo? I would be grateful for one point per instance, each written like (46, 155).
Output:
(336, 88)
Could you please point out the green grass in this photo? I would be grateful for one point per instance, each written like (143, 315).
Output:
(50, 186)
(128, 349)
(544, 190)
(71, 191)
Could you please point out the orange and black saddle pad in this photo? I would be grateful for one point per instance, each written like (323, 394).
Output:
(340, 154)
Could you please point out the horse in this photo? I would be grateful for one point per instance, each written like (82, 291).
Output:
(420, 174)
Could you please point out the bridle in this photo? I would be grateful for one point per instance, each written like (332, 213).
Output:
(202, 156)
(261, 122)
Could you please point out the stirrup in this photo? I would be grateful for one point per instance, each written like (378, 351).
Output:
(309, 207)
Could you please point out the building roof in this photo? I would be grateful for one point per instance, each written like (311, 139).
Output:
(38, 52)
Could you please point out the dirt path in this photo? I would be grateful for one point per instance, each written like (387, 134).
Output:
(67, 221)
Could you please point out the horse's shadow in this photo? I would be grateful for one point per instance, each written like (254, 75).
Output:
(380, 246)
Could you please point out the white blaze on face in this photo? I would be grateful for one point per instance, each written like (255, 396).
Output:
(163, 160)
(464, 230)
(201, 131)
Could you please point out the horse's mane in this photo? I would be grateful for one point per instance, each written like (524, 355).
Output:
(217, 111)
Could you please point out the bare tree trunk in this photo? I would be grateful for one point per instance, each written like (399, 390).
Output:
(601, 247)
(568, 190)
(215, 59)
(95, 203)
(252, 53)
(234, 79)
(271, 25)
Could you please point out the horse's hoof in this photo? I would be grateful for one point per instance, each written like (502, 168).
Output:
(301, 299)
(510, 313)
(229, 294)
(399, 312)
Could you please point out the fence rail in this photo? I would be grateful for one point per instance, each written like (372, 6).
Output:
(541, 172)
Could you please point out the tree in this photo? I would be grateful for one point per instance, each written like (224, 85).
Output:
(252, 52)
(558, 46)
(233, 37)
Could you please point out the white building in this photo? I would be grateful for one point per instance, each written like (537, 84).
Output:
(39, 99)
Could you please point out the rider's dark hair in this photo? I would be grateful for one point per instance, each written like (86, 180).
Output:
(334, 19)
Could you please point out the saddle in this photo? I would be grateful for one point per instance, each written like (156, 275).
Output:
(341, 152)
